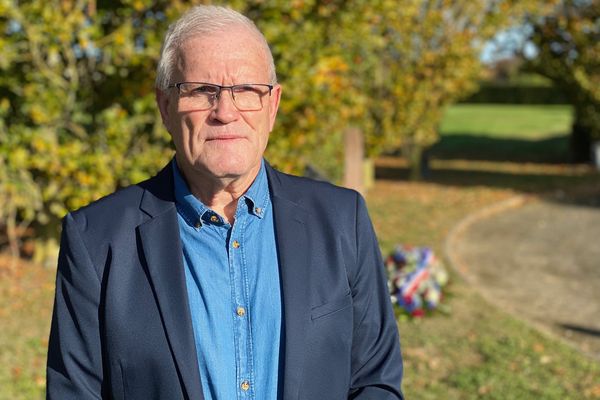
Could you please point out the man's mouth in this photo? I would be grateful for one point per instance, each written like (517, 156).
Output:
(224, 137)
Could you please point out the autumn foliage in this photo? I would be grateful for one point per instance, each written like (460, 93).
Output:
(77, 113)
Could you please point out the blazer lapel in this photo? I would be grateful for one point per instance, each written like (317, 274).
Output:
(293, 250)
(161, 248)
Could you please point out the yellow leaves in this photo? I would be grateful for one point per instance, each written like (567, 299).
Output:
(18, 158)
(331, 72)
(57, 209)
(119, 38)
(372, 64)
(84, 43)
(138, 5)
(4, 106)
(38, 114)
(593, 391)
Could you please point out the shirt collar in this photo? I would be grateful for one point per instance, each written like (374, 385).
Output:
(195, 213)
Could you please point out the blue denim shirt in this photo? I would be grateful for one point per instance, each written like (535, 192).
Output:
(232, 278)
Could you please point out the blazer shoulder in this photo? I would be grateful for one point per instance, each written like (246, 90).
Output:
(301, 189)
(109, 209)
(129, 205)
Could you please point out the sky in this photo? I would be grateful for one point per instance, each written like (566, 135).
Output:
(506, 43)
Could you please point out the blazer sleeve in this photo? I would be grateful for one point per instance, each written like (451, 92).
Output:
(376, 359)
(74, 367)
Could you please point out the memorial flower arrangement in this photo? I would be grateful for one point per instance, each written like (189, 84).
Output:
(415, 278)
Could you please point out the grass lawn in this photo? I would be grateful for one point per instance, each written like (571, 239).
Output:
(476, 351)
(505, 133)
(25, 306)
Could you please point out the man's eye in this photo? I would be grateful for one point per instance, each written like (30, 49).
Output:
(205, 89)
(244, 89)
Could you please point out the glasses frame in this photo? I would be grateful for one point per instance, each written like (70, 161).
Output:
(231, 89)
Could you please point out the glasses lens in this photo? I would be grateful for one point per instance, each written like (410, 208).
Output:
(202, 95)
(248, 97)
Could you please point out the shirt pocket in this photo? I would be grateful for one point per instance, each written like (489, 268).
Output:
(331, 307)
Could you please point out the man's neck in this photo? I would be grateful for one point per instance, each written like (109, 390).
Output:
(219, 194)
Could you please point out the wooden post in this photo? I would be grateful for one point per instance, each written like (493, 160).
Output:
(354, 155)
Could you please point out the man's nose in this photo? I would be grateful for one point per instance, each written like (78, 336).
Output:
(224, 109)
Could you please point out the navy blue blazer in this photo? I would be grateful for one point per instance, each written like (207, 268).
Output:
(121, 327)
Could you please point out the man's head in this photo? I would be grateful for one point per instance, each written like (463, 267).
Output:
(215, 136)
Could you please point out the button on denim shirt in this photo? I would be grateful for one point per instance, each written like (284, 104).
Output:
(232, 277)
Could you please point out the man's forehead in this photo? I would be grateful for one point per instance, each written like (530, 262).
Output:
(229, 50)
(237, 39)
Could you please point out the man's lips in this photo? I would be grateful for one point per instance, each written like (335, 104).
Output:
(224, 137)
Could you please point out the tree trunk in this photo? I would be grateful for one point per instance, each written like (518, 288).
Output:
(416, 163)
(580, 141)
(13, 238)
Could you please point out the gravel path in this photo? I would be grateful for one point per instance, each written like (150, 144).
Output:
(540, 260)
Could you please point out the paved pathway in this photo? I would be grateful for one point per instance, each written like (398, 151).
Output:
(540, 260)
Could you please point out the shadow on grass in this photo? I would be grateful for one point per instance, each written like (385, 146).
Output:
(528, 182)
(528, 166)
(512, 176)
(581, 329)
(464, 146)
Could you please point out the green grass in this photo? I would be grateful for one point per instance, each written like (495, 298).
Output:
(476, 351)
(25, 306)
(505, 133)
(523, 122)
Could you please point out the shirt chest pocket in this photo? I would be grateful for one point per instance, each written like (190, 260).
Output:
(331, 307)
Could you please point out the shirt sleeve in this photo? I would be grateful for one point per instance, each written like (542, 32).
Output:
(74, 367)
(376, 359)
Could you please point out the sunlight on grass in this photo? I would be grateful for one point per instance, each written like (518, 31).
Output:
(507, 121)
(504, 133)
(476, 351)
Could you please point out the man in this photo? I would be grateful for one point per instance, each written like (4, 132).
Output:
(221, 278)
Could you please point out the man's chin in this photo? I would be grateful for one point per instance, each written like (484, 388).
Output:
(229, 170)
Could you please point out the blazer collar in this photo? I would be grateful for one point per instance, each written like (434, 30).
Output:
(293, 247)
(162, 255)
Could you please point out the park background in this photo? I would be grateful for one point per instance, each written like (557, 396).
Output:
(447, 131)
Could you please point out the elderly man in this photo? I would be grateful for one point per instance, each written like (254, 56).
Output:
(221, 278)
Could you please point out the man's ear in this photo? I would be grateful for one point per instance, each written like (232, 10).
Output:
(162, 101)
(274, 105)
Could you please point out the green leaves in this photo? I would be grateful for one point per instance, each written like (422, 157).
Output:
(77, 113)
(568, 42)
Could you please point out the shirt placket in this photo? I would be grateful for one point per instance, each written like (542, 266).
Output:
(240, 307)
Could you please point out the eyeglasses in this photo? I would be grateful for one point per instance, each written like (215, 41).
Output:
(246, 97)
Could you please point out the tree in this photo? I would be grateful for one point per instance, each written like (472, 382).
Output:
(76, 101)
(568, 43)
(428, 59)
(77, 114)
(77, 98)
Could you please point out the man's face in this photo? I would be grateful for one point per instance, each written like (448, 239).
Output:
(221, 142)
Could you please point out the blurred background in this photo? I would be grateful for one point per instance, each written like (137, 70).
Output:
(442, 109)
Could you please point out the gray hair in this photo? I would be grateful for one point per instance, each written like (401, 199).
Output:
(203, 20)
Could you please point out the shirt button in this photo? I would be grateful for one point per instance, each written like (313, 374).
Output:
(245, 385)
(214, 218)
(236, 244)
(241, 311)
(198, 225)
(258, 210)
